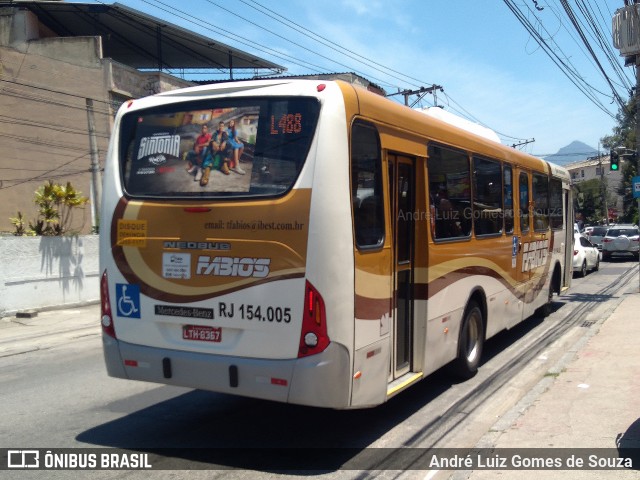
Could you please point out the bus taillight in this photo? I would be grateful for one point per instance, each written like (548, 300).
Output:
(313, 336)
(105, 307)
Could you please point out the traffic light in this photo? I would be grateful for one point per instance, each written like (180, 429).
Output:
(614, 161)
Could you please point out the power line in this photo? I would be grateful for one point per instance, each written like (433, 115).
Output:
(170, 9)
(578, 79)
(42, 99)
(574, 20)
(283, 38)
(330, 44)
(37, 141)
(189, 18)
(47, 175)
(570, 73)
(48, 126)
(569, 70)
(51, 90)
(604, 45)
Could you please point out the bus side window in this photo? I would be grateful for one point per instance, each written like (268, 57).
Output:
(541, 202)
(487, 196)
(555, 204)
(450, 187)
(524, 202)
(508, 199)
(366, 186)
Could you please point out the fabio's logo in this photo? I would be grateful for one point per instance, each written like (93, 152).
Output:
(233, 266)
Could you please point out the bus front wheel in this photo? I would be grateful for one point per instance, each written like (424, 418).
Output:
(470, 342)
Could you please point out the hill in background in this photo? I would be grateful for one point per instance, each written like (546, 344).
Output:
(574, 152)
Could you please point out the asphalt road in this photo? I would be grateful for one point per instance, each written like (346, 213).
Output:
(61, 397)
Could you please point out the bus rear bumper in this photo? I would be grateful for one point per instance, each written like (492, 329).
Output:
(321, 380)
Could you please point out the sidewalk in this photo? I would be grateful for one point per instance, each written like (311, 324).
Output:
(591, 402)
(47, 328)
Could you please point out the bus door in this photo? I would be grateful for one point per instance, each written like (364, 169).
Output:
(567, 199)
(524, 236)
(402, 195)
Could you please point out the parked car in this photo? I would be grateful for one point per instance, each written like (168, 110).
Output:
(586, 256)
(623, 239)
(596, 235)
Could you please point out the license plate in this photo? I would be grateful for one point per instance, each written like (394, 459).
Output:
(202, 333)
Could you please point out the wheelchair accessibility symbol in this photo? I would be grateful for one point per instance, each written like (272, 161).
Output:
(128, 298)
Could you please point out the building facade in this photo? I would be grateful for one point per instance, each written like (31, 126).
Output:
(51, 86)
(598, 168)
(65, 69)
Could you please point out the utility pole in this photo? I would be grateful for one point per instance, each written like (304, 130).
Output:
(626, 38)
(524, 142)
(638, 141)
(422, 91)
(604, 190)
(96, 182)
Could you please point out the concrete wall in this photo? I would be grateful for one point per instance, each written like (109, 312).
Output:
(45, 136)
(129, 82)
(47, 272)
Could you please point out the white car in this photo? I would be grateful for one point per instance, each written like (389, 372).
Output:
(621, 239)
(596, 235)
(586, 256)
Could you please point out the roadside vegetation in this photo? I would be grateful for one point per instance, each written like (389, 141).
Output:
(56, 204)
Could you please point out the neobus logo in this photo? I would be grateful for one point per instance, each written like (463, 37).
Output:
(198, 245)
(233, 266)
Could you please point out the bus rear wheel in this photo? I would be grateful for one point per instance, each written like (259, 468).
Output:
(470, 343)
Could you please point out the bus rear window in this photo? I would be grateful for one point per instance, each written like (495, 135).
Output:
(217, 148)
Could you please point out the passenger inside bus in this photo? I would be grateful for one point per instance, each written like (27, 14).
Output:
(447, 225)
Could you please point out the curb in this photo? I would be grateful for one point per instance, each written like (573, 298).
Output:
(513, 415)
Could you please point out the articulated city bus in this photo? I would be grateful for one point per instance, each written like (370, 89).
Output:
(314, 243)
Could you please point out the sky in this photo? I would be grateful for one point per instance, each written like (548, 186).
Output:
(490, 67)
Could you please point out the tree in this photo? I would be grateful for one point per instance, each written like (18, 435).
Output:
(624, 132)
(591, 204)
(629, 204)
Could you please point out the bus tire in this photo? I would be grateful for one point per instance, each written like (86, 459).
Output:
(546, 309)
(470, 342)
(554, 287)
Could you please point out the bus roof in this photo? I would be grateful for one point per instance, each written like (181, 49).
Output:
(436, 125)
